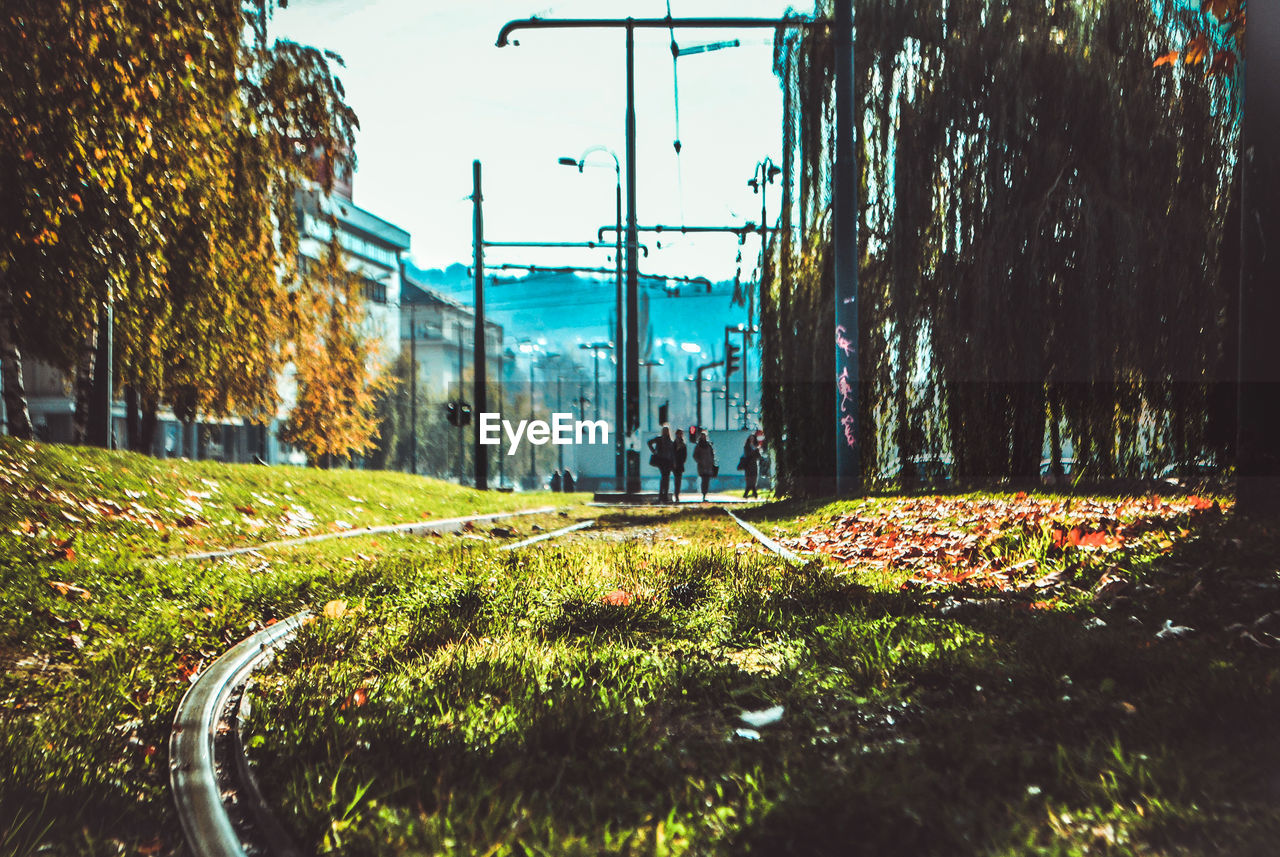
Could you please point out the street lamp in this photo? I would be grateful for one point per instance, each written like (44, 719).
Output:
(620, 389)
(596, 348)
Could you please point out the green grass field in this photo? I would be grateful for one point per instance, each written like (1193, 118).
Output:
(981, 674)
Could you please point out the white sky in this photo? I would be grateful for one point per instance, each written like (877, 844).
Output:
(433, 93)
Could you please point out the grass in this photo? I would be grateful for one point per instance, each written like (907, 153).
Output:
(129, 505)
(491, 704)
(595, 695)
(98, 643)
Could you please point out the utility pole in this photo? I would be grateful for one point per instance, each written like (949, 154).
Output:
(533, 476)
(559, 405)
(461, 333)
(502, 407)
(478, 359)
(848, 475)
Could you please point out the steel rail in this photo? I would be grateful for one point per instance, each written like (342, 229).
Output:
(202, 717)
(193, 774)
(793, 558)
(436, 525)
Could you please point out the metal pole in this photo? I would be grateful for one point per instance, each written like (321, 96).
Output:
(461, 334)
(559, 405)
(597, 401)
(478, 360)
(697, 392)
(633, 334)
(533, 477)
(111, 372)
(502, 406)
(413, 388)
(845, 240)
(619, 406)
(726, 378)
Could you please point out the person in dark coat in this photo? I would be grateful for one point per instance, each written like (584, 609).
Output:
(663, 457)
(555, 480)
(751, 465)
(681, 456)
(566, 484)
(704, 455)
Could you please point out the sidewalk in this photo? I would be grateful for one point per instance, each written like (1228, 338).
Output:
(650, 498)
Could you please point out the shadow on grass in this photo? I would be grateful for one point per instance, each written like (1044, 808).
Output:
(952, 722)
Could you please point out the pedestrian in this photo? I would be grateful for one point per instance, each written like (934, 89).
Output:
(663, 457)
(749, 464)
(677, 470)
(566, 484)
(555, 481)
(704, 455)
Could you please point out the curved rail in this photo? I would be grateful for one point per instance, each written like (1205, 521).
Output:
(193, 773)
(202, 717)
(793, 558)
(438, 525)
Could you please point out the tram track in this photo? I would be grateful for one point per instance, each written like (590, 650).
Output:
(222, 811)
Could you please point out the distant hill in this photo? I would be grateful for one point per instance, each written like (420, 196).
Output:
(567, 309)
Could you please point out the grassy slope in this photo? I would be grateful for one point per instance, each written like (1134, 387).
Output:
(97, 643)
(503, 705)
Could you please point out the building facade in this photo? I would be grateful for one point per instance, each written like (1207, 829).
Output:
(373, 249)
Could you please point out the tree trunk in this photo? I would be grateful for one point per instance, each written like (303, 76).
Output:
(84, 385)
(147, 425)
(15, 395)
(134, 440)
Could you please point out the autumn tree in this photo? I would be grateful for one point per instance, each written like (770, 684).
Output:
(153, 149)
(338, 379)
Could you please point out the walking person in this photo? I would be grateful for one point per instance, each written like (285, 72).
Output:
(677, 469)
(749, 464)
(704, 455)
(663, 457)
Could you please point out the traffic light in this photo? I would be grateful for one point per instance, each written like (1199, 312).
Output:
(459, 413)
(732, 359)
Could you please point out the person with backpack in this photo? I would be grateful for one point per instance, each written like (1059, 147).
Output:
(749, 464)
(663, 457)
(704, 455)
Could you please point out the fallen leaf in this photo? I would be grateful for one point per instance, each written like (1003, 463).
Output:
(617, 598)
(358, 698)
(335, 609)
(69, 589)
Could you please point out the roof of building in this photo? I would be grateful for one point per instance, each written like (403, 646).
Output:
(413, 292)
(356, 219)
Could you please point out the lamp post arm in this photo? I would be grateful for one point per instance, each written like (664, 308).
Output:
(504, 35)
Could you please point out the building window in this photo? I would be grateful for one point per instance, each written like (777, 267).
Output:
(373, 291)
